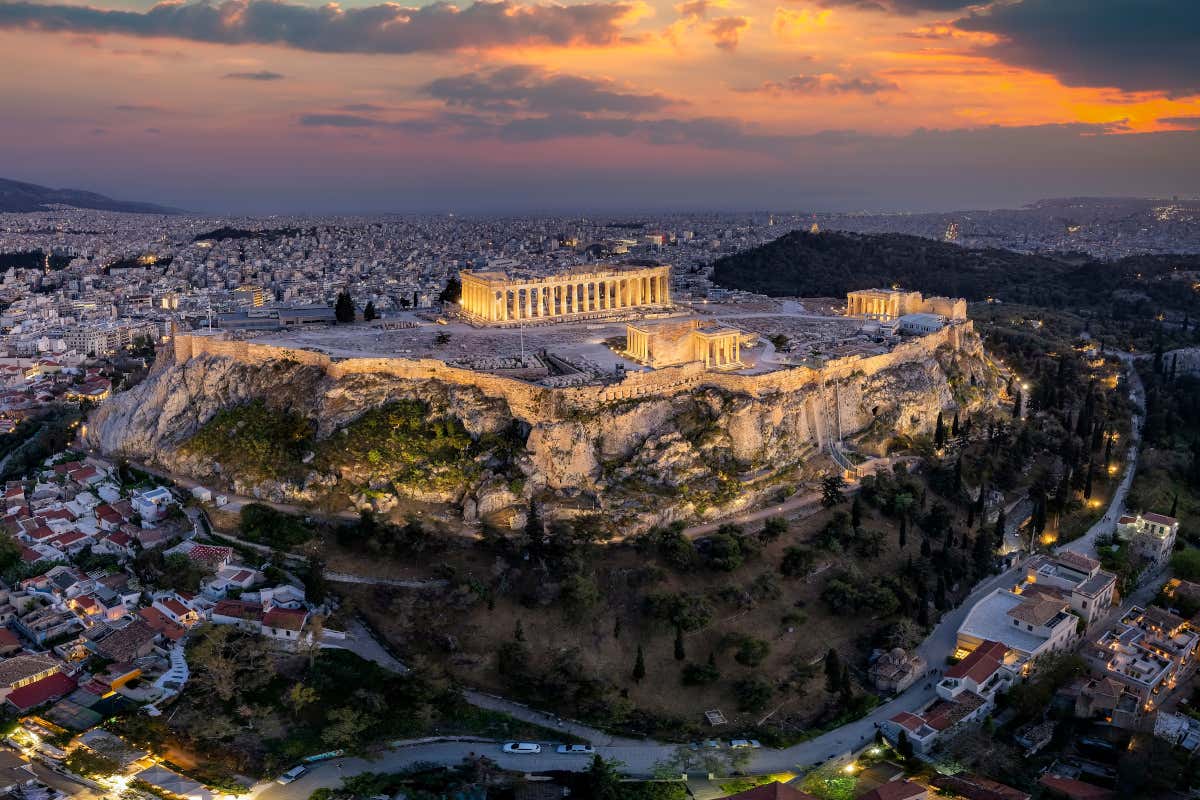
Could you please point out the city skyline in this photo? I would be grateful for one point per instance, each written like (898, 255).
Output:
(250, 106)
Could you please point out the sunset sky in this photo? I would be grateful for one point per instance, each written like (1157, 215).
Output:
(282, 105)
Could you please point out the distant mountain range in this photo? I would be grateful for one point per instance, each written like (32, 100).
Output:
(16, 196)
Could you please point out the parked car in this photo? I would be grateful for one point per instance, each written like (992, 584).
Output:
(713, 743)
(576, 749)
(742, 744)
(292, 774)
(528, 748)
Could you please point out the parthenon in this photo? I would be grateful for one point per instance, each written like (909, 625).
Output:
(495, 298)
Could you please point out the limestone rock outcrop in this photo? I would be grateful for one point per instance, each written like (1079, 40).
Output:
(674, 453)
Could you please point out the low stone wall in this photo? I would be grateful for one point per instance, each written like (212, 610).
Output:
(532, 402)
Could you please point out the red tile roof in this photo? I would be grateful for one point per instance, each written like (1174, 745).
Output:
(771, 791)
(161, 623)
(910, 721)
(896, 790)
(1160, 519)
(1076, 790)
(210, 553)
(981, 663)
(49, 688)
(174, 606)
(291, 619)
(8, 638)
(237, 609)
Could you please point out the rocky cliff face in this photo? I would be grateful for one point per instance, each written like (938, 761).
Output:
(641, 461)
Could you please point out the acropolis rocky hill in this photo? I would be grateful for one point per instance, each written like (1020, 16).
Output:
(549, 419)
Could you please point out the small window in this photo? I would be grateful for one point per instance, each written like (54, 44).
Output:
(1028, 627)
(1085, 603)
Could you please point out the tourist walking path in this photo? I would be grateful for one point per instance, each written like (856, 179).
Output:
(1086, 544)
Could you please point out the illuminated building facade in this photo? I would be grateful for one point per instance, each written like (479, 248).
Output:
(886, 305)
(671, 342)
(495, 298)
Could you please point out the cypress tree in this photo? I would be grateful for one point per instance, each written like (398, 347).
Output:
(939, 432)
(903, 532)
(833, 671)
(954, 426)
(680, 655)
(1174, 505)
(846, 690)
(369, 312)
(639, 666)
(343, 309)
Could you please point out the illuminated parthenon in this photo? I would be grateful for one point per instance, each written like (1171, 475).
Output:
(496, 298)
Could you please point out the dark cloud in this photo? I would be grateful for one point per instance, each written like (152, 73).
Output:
(695, 9)
(901, 6)
(367, 108)
(533, 89)
(384, 28)
(153, 130)
(262, 75)
(1133, 45)
(827, 84)
(726, 32)
(338, 121)
(136, 108)
(1179, 120)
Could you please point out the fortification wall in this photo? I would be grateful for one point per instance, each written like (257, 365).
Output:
(531, 401)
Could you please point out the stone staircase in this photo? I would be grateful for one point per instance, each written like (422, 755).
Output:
(173, 680)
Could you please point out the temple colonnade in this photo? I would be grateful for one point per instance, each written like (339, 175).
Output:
(494, 297)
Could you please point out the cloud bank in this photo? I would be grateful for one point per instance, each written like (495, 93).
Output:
(384, 28)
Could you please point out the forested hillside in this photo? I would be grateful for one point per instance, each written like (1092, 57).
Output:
(831, 264)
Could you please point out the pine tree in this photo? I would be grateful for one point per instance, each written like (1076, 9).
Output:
(369, 311)
(680, 655)
(639, 666)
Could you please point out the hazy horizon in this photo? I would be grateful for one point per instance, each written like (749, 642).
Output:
(277, 106)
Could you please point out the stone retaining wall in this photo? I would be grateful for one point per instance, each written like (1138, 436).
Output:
(532, 402)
